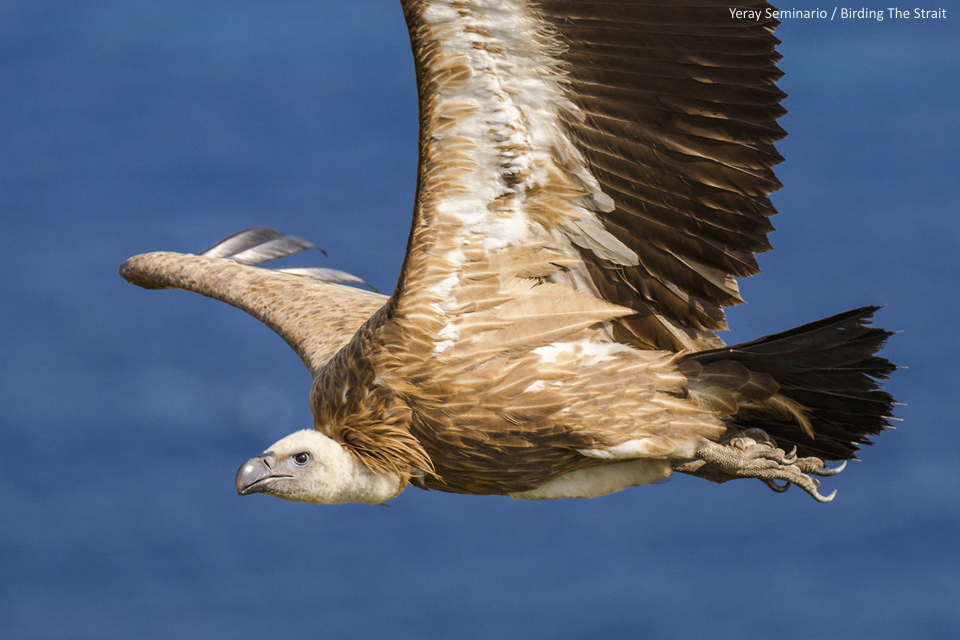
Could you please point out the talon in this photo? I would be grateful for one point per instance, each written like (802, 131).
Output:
(821, 498)
(776, 487)
(827, 471)
(759, 435)
(791, 457)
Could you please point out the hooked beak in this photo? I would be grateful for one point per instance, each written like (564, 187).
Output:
(257, 474)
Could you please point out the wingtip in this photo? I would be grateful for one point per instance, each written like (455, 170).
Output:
(127, 269)
(136, 270)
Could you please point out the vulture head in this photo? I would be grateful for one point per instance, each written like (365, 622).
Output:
(307, 466)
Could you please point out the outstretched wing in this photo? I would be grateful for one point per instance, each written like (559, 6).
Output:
(315, 316)
(583, 162)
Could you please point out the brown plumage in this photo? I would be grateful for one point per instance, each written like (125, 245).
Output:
(593, 177)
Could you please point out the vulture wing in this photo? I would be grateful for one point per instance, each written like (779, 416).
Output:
(586, 161)
(306, 307)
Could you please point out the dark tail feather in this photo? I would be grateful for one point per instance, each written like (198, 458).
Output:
(830, 368)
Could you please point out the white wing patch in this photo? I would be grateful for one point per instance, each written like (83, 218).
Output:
(506, 174)
(502, 101)
(585, 351)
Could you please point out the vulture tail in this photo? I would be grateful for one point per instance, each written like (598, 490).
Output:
(816, 386)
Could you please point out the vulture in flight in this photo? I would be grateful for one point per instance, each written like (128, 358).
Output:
(594, 175)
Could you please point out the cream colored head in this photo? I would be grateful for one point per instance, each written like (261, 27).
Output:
(307, 466)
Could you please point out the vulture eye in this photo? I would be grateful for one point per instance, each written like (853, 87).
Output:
(301, 459)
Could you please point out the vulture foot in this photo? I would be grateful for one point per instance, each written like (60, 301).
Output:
(754, 454)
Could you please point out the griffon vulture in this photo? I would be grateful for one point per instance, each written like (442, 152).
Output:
(593, 177)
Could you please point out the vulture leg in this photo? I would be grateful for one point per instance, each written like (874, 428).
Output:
(754, 454)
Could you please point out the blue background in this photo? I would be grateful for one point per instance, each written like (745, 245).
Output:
(130, 126)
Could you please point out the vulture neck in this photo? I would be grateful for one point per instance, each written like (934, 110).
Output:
(355, 482)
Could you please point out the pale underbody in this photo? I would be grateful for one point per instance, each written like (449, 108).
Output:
(599, 481)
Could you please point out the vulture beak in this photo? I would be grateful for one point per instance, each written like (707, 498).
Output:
(257, 474)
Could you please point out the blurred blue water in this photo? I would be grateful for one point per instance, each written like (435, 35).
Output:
(133, 126)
